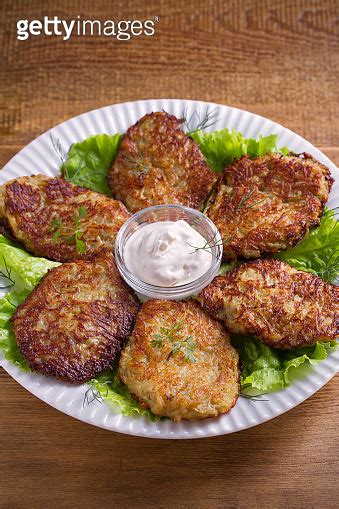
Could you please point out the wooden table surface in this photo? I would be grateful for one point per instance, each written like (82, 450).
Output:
(276, 58)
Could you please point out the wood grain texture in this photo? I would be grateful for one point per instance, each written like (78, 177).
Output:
(276, 58)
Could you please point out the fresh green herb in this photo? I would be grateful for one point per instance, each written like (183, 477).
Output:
(254, 398)
(331, 270)
(61, 153)
(173, 336)
(97, 391)
(167, 334)
(210, 244)
(189, 346)
(6, 274)
(244, 200)
(157, 341)
(137, 165)
(57, 227)
(197, 121)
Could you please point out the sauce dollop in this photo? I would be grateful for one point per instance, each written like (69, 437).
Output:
(167, 253)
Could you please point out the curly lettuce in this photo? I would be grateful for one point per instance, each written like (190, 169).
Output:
(220, 148)
(8, 344)
(27, 270)
(318, 252)
(20, 272)
(109, 388)
(266, 369)
(87, 162)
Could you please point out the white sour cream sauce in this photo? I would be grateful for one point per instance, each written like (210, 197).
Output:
(164, 253)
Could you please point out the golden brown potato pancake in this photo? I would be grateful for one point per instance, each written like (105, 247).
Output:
(267, 204)
(29, 207)
(279, 305)
(159, 164)
(76, 320)
(179, 362)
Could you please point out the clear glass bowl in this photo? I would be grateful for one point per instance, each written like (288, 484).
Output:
(194, 218)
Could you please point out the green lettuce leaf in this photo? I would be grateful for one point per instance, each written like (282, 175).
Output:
(266, 369)
(87, 163)
(318, 252)
(112, 390)
(8, 344)
(19, 268)
(220, 148)
(20, 273)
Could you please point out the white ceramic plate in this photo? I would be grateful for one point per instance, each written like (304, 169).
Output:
(40, 157)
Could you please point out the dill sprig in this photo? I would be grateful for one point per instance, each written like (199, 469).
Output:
(331, 269)
(173, 336)
(254, 398)
(59, 150)
(97, 391)
(76, 232)
(208, 245)
(197, 122)
(61, 153)
(244, 200)
(6, 274)
(137, 165)
(75, 178)
(331, 214)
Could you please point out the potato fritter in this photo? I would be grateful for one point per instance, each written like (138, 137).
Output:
(36, 208)
(179, 362)
(76, 320)
(159, 164)
(267, 204)
(279, 305)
